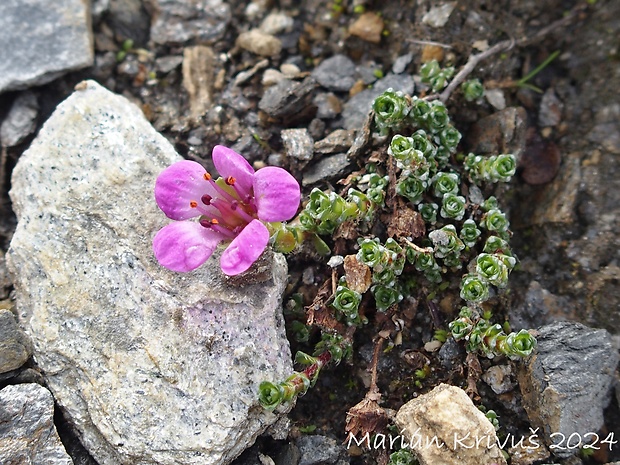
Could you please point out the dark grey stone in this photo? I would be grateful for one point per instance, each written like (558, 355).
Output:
(567, 384)
(450, 354)
(357, 108)
(179, 21)
(129, 20)
(15, 347)
(289, 455)
(21, 120)
(335, 73)
(287, 98)
(42, 40)
(27, 431)
(318, 450)
(326, 169)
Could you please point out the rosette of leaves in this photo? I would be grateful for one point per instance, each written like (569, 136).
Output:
(469, 233)
(385, 296)
(474, 288)
(372, 254)
(412, 188)
(460, 328)
(437, 118)
(397, 258)
(472, 89)
(495, 220)
(338, 347)
(445, 183)
(420, 109)
(403, 150)
(453, 206)
(402, 457)
(361, 201)
(428, 211)
(446, 241)
(503, 168)
(433, 74)
(347, 302)
(519, 345)
(491, 267)
(422, 143)
(391, 108)
(323, 212)
(450, 138)
(495, 168)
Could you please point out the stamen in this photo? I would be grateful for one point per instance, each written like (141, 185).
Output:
(193, 204)
(206, 199)
(207, 176)
(223, 230)
(221, 191)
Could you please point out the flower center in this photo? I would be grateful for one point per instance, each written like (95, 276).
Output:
(228, 212)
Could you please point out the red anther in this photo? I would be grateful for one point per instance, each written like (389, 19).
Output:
(234, 205)
(207, 176)
(214, 221)
(193, 204)
(206, 199)
(205, 223)
(230, 180)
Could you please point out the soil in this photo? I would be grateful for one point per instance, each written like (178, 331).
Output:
(320, 30)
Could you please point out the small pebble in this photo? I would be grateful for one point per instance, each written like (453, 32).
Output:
(401, 63)
(496, 98)
(260, 43)
(368, 27)
(276, 23)
(438, 16)
(272, 77)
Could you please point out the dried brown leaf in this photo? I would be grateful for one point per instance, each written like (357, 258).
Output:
(357, 274)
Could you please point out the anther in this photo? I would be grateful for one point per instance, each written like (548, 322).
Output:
(193, 204)
(206, 199)
(207, 176)
(230, 181)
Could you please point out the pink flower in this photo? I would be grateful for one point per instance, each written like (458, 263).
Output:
(231, 208)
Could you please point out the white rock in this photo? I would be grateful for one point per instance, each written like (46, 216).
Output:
(41, 40)
(27, 431)
(438, 15)
(496, 98)
(260, 43)
(276, 23)
(442, 427)
(150, 366)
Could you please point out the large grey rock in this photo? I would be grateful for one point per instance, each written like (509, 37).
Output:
(149, 366)
(179, 21)
(27, 432)
(40, 40)
(567, 384)
(15, 347)
(443, 427)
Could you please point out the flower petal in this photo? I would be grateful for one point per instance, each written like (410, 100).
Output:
(229, 163)
(245, 248)
(185, 245)
(277, 194)
(179, 185)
